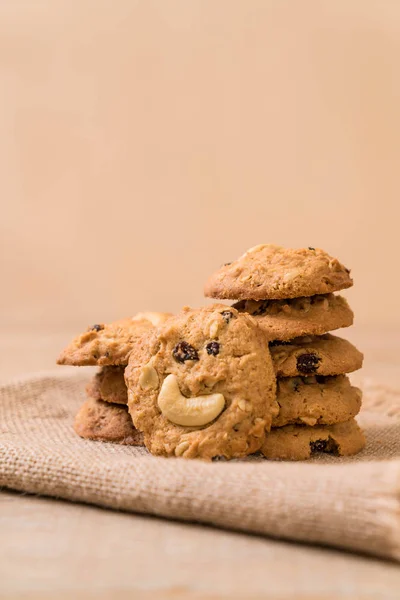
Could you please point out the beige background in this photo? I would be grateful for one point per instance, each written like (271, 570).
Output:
(144, 143)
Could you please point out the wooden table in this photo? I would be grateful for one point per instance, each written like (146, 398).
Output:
(55, 549)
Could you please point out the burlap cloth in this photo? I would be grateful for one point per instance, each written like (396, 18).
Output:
(349, 503)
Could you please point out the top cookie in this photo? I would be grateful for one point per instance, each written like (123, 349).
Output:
(273, 272)
(204, 386)
(109, 344)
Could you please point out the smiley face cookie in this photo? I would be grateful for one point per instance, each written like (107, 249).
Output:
(324, 354)
(273, 272)
(109, 344)
(203, 386)
(287, 319)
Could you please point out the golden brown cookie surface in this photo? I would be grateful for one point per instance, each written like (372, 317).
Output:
(204, 386)
(294, 442)
(98, 420)
(273, 272)
(287, 319)
(326, 355)
(316, 400)
(108, 344)
(108, 385)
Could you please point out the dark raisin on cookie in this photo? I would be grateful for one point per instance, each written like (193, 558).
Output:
(212, 348)
(324, 446)
(184, 351)
(261, 309)
(227, 315)
(96, 327)
(227, 264)
(308, 363)
(318, 446)
(311, 248)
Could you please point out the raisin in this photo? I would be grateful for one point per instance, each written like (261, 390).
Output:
(213, 348)
(308, 363)
(311, 248)
(107, 354)
(227, 264)
(278, 343)
(184, 351)
(261, 309)
(96, 327)
(318, 446)
(227, 315)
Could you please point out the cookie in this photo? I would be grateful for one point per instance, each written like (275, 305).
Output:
(268, 272)
(108, 385)
(316, 400)
(107, 344)
(98, 420)
(204, 386)
(325, 354)
(294, 442)
(287, 319)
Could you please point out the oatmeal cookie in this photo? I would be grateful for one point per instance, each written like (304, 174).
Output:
(204, 386)
(268, 272)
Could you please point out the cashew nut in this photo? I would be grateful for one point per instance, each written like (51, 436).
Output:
(148, 379)
(189, 412)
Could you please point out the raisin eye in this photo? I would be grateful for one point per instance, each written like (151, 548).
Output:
(184, 351)
(308, 363)
(96, 327)
(318, 446)
(213, 348)
(227, 315)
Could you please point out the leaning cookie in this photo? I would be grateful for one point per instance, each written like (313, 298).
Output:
(101, 421)
(294, 442)
(108, 385)
(326, 355)
(273, 272)
(109, 344)
(204, 386)
(287, 319)
(316, 400)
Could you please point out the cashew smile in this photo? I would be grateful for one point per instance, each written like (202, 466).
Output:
(195, 411)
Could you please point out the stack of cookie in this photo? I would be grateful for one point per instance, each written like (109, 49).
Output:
(104, 416)
(290, 295)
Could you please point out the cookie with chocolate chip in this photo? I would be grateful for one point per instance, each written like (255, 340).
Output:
(204, 385)
(287, 319)
(324, 355)
(268, 272)
(109, 344)
(316, 400)
(105, 422)
(294, 442)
